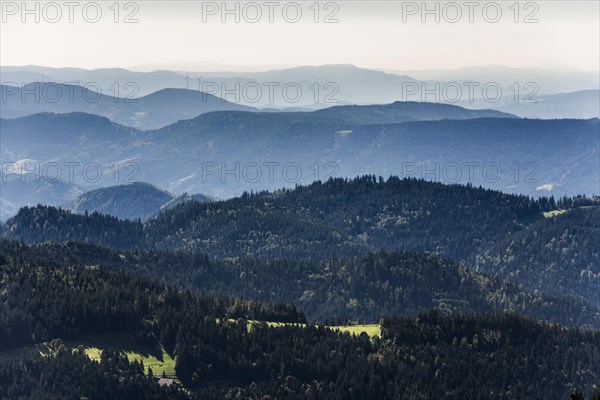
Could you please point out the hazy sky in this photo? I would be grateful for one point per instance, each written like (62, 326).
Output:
(387, 34)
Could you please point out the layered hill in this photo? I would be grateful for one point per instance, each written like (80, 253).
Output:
(133, 201)
(404, 112)
(322, 220)
(226, 153)
(579, 104)
(152, 111)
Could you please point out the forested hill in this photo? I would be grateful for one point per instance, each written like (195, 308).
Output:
(44, 297)
(560, 254)
(45, 223)
(425, 357)
(319, 221)
(360, 289)
(428, 355)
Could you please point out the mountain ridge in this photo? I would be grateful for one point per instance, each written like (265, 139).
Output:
(534, 157)
(152, 111)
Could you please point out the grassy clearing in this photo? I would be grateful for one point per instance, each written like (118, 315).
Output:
(371, 330)
(152, 357)
(553, 213)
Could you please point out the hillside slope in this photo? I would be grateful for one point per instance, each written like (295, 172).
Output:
(557, 255)
(152, 111)
(223, 154)
(361, 289)
(322, 220)
(427, 355)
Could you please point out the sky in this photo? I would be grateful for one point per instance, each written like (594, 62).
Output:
(392, 35)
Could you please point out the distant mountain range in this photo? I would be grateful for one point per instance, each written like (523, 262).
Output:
(403, 112)
(223, 154)
(350, 84)
(149, 112)
(581, 104)
(76, 142)
(144, 83)
(549, 79)
(315, 87)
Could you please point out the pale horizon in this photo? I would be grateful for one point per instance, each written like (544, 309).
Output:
(370, 35)
(266, 68)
